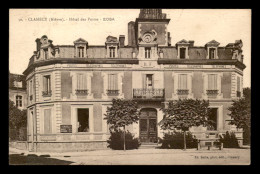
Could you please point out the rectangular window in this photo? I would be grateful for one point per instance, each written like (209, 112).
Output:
(81, 51)
(47, 84)
(147, 52)
(18, 84)
(112, 52)
(212, 53)
(83, 120)
(212, 82)
(45, 53)
(149, 81)
(182, 53)
(112, 82)
(47, 121)
(182, 83)
(18, 101)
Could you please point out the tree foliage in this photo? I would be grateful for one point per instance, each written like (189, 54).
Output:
(17, 117)
(185, 113)
(116, 141)
(240, 112)
(122, 113)
(247, 94)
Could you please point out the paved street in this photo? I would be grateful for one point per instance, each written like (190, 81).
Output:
(134, 157)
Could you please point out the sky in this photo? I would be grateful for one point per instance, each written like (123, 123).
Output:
(200, 25)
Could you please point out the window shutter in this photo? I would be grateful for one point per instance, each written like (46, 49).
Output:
(238, 83)
(115, 82)
(47, 121)
(212, 81)
(44, 84)
(182, 82)
(144, 81)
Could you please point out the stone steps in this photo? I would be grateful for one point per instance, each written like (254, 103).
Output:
(148, 146)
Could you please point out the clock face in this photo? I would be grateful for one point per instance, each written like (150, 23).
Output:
(147, 38)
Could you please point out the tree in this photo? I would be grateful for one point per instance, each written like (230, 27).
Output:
(183, 114)
(240, 112)
(122, 113)
(247, 94)
(17, 117)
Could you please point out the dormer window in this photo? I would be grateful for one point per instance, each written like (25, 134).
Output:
(182, 53)
(212, 53)
(81, 51)
(112, 46)
(212, 49)
(112, 52)
(18, 84)
(80, 48)
(182, 47)
(45, 52)
(147, 52)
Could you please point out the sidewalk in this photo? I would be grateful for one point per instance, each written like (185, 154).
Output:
(109, 152)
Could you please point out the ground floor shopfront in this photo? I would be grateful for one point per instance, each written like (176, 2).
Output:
(79, 126)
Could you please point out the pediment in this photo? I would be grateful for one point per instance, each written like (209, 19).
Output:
(183, 41)
(213, 43)
(111, 39)
(80, 40)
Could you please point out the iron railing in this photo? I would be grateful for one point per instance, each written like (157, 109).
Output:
(212, 92)
(148, 93)
(182, 91)
(81, 92)
(46, 93)
(112, 92)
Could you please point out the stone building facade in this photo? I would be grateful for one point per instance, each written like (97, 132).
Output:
(17, 90)
(70, 86)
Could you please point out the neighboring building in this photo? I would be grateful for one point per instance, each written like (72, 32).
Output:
(70, 86)
(17, 90)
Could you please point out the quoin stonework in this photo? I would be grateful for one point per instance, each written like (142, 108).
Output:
(69, 87)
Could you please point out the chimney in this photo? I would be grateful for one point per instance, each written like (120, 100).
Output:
(191, 43)
(121, 40)
(131, 34)
(38, 44)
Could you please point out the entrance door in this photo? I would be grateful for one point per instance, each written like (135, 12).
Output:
(148, 125)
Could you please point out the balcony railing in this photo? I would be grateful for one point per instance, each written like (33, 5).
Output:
(81, 92)
(238, 94)
(182, 91)
(212, 92)
(46, 93)
(148, 93)
(112, 92)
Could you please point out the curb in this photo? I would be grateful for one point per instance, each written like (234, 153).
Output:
(114, 152)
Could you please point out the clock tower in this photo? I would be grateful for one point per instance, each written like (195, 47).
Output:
(153, 20)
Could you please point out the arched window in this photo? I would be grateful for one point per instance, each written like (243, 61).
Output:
(19, 101)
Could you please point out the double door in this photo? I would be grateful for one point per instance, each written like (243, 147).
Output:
(148, 126)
